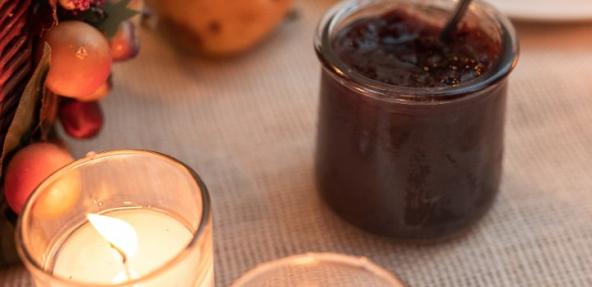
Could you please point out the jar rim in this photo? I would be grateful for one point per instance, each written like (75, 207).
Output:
(423, 95)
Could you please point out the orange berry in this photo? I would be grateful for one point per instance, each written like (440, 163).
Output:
(29, 167)
(80, 59)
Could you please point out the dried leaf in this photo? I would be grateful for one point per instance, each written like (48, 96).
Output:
(23, 122)
(117, 12)
(47, 114)
(108, 17)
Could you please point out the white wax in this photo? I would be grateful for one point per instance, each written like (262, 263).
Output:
(86, 256)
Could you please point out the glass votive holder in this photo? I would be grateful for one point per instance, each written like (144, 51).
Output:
(120, 218)
(318, 270)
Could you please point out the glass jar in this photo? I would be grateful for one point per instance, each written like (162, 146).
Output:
(411, 163)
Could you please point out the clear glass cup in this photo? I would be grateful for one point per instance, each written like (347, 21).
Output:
(120, 218)
(411, 163)
(318, 270)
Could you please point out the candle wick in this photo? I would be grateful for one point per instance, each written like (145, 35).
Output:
(124, 260)
(120, 252)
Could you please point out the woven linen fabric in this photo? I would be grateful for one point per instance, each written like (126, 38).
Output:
(247, 125)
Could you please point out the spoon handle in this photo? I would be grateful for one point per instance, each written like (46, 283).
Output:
(459, 13)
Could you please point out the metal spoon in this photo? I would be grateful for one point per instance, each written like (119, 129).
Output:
(461, 9)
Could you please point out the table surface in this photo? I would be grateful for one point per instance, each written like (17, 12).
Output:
(247, 125)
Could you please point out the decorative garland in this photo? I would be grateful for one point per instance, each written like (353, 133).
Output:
(42, 81)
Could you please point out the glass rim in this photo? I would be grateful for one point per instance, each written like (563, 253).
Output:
(30, 262)
(380, 91)
(319, 258)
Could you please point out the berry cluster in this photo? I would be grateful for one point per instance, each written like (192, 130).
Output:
(80, 4)
(81, 59)
(83, 48)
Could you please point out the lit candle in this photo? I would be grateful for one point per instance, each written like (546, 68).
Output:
(122, 245)
(142, 220)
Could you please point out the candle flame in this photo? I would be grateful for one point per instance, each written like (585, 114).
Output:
(120, 234)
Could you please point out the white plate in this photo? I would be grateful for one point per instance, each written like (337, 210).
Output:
(546, 10)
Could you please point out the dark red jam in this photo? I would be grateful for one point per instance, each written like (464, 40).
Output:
(410, 169)
(401, 49)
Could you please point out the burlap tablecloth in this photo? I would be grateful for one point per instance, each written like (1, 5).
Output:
(248, 126)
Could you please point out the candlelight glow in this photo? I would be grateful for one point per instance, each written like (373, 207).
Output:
(126, 275)
(117, 232)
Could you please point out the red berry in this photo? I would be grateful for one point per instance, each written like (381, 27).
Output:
(125, 44)
(81, 120)
(28, 168)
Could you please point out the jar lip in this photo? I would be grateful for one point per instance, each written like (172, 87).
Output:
(430, 95)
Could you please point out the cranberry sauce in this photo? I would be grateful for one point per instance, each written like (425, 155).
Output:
(410, 169)
(400, 49)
